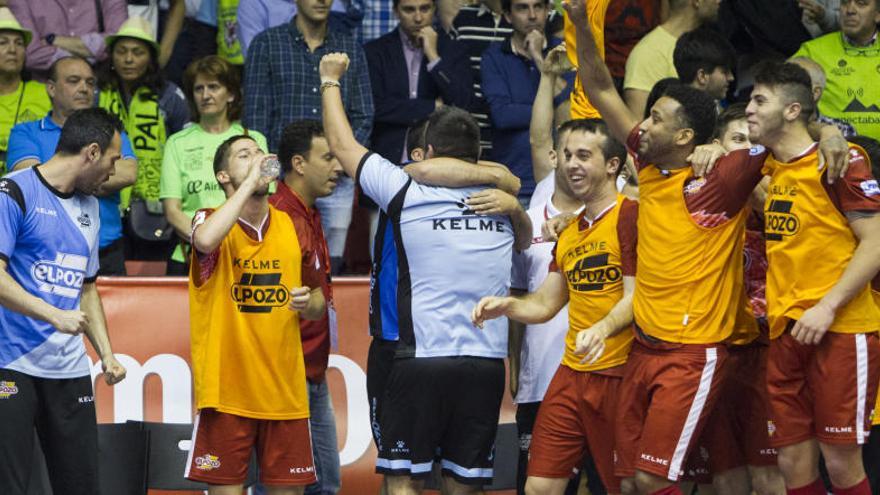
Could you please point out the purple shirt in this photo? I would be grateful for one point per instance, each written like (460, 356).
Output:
(76, 18)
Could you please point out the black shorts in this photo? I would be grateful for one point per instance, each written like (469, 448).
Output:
(379, 360)
(63, 413)
(444, 409)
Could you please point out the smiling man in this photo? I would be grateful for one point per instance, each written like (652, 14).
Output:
(822, 244)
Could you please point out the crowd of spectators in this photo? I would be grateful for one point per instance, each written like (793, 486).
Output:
(183, 75)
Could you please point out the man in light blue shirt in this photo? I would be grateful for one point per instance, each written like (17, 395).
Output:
(71, 86)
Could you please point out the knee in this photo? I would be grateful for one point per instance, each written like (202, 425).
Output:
(628, 487)
(535, 487)
(844, 464)
(767, 481)
(647, 483)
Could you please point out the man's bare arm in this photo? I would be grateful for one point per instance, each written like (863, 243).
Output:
(337, 128)
(96, 331)
(541, 125)
(595, 77)
(536, 307)
(452, 172)
(15, 298)
(859, 272)
(124, 176)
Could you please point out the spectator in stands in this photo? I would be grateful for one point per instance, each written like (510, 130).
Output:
(817, 77)
(414, 69)
(132, 88)
(256, 16)
(850, 58)
(704, 60)
(222, 15)
(477, 26)
(627, 22)
(20, 100)
(820, 16)
(73, 27)
(194, 39)
(149, 10)
(651, 59)
(282, 85)
(213, 91)
(310, 171)
(511, 75)
(48, 297)
(379, 18)
(71, 86)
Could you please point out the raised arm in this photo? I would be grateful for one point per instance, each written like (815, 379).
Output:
(595, 77)
(541, 125)
(536, 307)
(338, 131)
(215, 227)
(452, 172)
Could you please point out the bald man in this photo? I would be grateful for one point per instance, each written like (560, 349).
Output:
(817, 77)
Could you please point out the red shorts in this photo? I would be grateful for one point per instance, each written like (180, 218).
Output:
(222, 444)
(577, 413)
(736, 433)
(823, 391)
(664, 401)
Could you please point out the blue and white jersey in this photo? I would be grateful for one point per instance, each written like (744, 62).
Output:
(49, 241)
(448, 258)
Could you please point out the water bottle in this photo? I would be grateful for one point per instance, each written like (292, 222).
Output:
(270, 167)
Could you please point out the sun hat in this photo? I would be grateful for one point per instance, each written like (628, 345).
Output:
(8, 22)
(134, 27)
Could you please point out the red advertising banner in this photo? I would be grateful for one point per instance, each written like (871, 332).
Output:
(148, 320)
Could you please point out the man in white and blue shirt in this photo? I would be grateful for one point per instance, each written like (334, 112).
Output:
(49, 224)
(444, 392)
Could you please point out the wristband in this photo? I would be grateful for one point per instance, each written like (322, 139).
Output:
(329, 84)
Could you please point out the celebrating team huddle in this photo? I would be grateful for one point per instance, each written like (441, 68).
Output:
(674, 367)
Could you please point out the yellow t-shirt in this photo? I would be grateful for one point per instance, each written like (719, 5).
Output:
(650, 60)
(591, 258)
(581, 108)
(810, 243)
(29, 102)
(690, 277)
(247, 355)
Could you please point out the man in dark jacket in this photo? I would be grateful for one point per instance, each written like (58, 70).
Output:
(414, 70)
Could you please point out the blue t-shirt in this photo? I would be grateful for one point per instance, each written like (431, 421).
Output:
(38, 140)
(49, 241)
(448, 258)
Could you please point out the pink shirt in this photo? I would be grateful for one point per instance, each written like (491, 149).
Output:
(77, 18)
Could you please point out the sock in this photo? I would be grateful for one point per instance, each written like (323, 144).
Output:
(817, 487)
(860, 488)
(675, 490)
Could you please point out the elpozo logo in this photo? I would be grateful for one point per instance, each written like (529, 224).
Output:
(259, 292)
(64, 276)
(7, 389)
(207, 462)
(779, 221)
(591, 273)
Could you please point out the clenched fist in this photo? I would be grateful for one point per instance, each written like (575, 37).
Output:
(333, 66)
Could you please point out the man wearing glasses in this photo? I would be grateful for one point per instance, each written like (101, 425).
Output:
(71, 87)
(851, 59)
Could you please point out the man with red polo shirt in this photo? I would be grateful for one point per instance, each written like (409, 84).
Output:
(309, 172)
